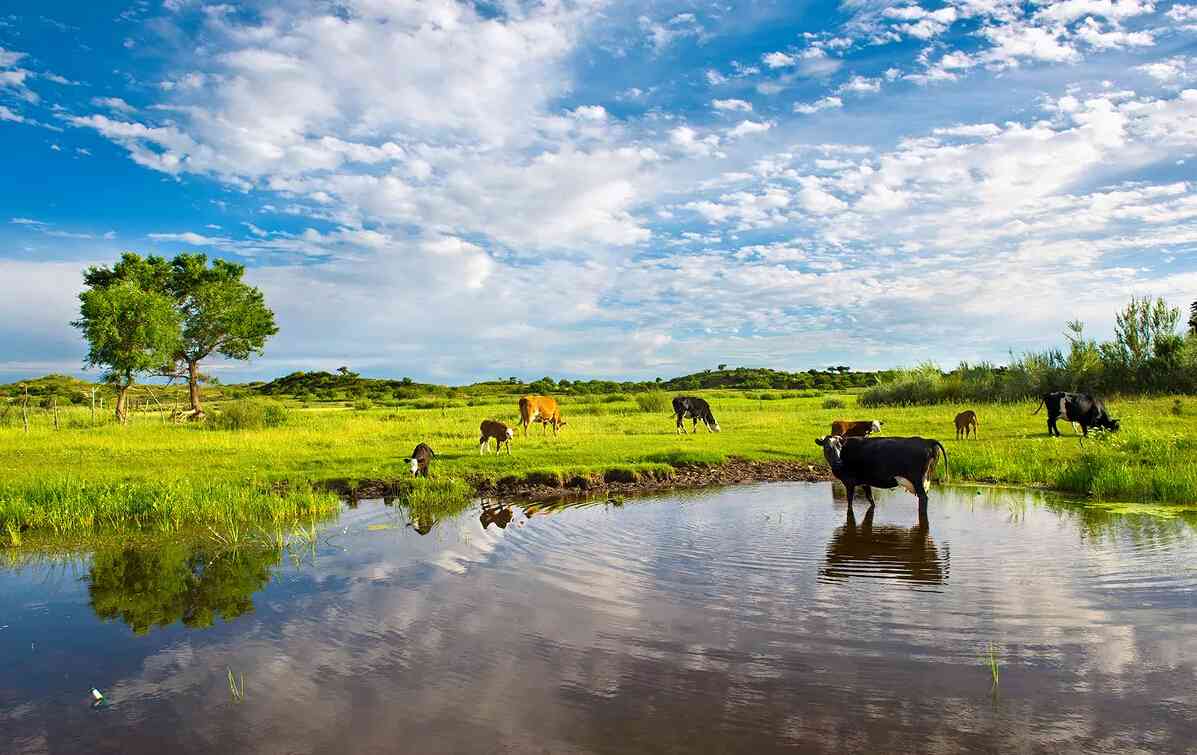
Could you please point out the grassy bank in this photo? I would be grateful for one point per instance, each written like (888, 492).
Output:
(162, 476)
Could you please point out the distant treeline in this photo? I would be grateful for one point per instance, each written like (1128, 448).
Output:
(1147, 355)
(344, 384)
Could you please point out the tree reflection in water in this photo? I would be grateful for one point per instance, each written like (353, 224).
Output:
(885, 551)
(194, 583)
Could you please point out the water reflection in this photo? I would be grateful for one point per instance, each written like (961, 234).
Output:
(156, 586)
(885, 551)
(500, 516)
(747, 619)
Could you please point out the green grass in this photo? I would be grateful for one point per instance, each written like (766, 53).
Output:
(162, 477)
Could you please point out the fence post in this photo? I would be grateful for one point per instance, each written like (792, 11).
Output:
(54, 407)
(25, 407)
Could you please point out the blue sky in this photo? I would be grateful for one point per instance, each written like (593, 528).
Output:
(456, 191)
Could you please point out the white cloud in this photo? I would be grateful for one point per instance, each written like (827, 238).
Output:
(8, 115)
(825, 103)
(733, 105)
(860, 85)
(689, 141)
(778, 60)
(115, 104)
(745, 128)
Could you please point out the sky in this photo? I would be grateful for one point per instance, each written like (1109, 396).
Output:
(457, 191)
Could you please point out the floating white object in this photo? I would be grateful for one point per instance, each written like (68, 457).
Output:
(97, 694)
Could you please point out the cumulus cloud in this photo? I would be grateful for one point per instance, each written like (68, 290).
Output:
(824, 103)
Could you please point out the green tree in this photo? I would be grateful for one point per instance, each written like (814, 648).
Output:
(1193, 318)
(129, 331)
(219, 313)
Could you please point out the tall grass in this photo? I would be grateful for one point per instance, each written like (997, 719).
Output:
(653, 401)
(70, 507)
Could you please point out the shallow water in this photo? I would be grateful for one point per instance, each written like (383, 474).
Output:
(756, 618)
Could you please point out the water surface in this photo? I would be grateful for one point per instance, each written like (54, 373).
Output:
(760, 618)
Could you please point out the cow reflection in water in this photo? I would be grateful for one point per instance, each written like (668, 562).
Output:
(500, 516)
(885, 551)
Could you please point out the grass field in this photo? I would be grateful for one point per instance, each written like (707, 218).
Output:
(81, 478)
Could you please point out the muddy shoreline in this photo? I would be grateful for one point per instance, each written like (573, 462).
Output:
(615, 481)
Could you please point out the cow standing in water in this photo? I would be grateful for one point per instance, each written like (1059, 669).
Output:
(1080, 408)
(542, 409)
(883, 463)
(696, 409)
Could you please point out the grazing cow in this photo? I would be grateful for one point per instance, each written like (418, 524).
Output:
(965, 421)
(542, 409)
(497, 430)
(696, 409)
(1078, 408)
(420, 459)
(883, 463)
(848, 428)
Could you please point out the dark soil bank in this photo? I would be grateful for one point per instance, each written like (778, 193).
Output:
(618, 481)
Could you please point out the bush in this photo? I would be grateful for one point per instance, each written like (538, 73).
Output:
(248, 414)
(653, 401)
(833, 403)
(362, 404)
(615, 398)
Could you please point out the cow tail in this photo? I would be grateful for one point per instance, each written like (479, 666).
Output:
(1042, 401)
(943, 451)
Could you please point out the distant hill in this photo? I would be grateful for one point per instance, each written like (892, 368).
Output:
(346, 385)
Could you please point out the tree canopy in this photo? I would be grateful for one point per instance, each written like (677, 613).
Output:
(129, 331)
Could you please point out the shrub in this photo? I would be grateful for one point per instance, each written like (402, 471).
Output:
(615, 398)
(362, 404)
(653, 401)
(248, 414)
(833, 403)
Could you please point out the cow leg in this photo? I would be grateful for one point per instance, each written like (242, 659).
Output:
(482, 447)
(851, 489)
(694, 426)
(681, 426)
(868, 491)
(1084, 430)
(920, 490)
(1051, 426)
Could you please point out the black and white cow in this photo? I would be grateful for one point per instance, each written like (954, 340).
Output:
(696, 409)
(1080, 408)
(883, 463)
(420, 460)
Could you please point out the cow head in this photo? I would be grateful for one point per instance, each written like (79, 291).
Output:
(833, 449)
(715, 426)
(876, 426)
(414, 464)
(1112, 424)
(510, 433)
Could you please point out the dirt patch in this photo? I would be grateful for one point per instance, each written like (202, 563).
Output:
(616, 481)
(730, 472)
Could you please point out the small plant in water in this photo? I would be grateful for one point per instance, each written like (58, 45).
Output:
(235, 689)
(990, 661)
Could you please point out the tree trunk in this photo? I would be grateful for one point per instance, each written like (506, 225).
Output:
(122, 398)
(193, 389)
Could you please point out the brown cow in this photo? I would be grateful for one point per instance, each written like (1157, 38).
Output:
(964, 421)
(542, 409)
(855, 428)
(497, 430)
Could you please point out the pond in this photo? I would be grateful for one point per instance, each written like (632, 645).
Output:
(758, 618)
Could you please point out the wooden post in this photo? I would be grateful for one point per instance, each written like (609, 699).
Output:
(54, 408)
(25, 407)
(93, 406)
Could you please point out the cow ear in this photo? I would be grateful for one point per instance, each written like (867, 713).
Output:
(820, 442)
